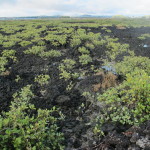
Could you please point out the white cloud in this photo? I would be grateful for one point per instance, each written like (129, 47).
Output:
(10, 8)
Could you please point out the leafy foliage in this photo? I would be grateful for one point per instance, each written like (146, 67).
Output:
(4, 59)
(84, 59)
(83, 50)
(41, 43)
(9, 43)
(51, 53)
(42, 79)
(9, 54)
(130, 64)
(25, 43)
(114, 49)
(36, 50)
(40, 51)
(133, 95)
(3, 62)
(21, 129)
(66, 69)
(144, 36)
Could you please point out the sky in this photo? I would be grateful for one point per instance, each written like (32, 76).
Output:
(17, 8)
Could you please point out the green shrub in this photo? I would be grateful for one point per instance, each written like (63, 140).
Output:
(40, 51)
(41, 43)
(128, 103)
(51, 53)
(93, 36)
(6, 55)
(42, 79)
(99, 42)
(109, 39)
(36, 50)
(9, 54)
(129, 64)
(141, 37)
(75, 42)
(83, 50)
(3, 62)
(68, 64)
(22, 128)
(66, 69)
(108, 31)
(25, 43)
(144, 36)
(85, 59)
(90, 45)
(104, 28)
(115, 49)
(9, 44)
(56, 40)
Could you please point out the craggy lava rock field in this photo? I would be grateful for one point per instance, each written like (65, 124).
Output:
(95, 71)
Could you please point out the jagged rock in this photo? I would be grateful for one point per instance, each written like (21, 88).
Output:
(133, 148)
(62, 99)
(135, 137)
(143, 143)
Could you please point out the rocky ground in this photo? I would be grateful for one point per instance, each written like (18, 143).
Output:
(79, 110)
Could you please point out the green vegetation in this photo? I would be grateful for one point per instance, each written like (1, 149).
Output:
(84, 59)
(9, 54)
(133, 97)
(90, 45)
(129, 64)
(8, 44)
(83, 50)
(115, 49)
(36, 50)
(66, 71)
(42, 79)
(40, 51)
(21, 130)
(51, 53)
(61, 59)
(41, 43)
(3, 62)
(4, 59)
(144, 36)
(25, 43)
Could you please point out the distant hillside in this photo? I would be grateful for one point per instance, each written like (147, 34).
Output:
(42, 17)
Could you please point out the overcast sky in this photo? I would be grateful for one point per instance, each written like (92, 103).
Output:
(12, 8)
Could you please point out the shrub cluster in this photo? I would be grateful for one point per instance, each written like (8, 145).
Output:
(25, 127)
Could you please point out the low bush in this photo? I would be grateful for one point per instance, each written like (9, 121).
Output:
(3, 62)
(129, 64)
(128, 103)
(51, 53)
(9, 54)
(144, 36)
(4, 59)
(9, 44)
(41, 43)
(42, 79)
(89, 45)
(84, 59)
(66, 69)
(75, 42)
(36, 50)
(25, 43)
(99, 42)
(24, 127)
(115, 49)
(83, 50)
